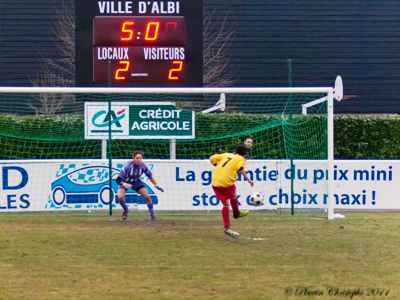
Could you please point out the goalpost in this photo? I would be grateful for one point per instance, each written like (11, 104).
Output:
(333, 94)
(287, 123)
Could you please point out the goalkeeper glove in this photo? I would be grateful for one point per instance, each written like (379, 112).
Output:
(126, 185)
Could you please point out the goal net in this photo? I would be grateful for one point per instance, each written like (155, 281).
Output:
(291, 127)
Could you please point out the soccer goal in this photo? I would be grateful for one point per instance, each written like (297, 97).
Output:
(292, 129)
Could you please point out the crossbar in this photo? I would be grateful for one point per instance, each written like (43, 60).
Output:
(131, 90)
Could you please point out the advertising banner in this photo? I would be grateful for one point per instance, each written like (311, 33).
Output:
(43, 185)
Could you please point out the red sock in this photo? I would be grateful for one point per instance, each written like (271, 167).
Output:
(225, 213)
(235, 208)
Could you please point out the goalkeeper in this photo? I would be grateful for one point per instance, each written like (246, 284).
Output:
(224, 176)
(129, 178)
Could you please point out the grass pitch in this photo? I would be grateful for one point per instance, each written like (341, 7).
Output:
(94, 256)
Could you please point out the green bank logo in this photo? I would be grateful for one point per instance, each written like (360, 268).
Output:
(102, 120)
(160, 122)
(138, 120)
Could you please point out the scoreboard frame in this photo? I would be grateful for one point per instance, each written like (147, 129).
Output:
(139, 43)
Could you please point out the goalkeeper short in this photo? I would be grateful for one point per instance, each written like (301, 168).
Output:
(136, 186)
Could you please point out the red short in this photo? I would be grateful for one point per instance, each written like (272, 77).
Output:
(225, 193)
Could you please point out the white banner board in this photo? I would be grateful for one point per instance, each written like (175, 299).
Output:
(81, 184)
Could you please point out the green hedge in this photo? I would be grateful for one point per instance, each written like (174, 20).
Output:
(367, 136)
(356, 136)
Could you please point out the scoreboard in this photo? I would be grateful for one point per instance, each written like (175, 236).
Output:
(139, 43)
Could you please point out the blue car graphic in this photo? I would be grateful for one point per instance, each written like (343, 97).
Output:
(89, 185)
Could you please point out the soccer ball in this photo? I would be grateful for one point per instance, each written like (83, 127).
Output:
(256, 199)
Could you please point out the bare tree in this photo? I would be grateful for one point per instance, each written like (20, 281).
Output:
(59, 71)
(216, 56)
(49, 103)
(217, 37)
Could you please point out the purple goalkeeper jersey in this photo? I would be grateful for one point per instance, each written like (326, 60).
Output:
(131, 173)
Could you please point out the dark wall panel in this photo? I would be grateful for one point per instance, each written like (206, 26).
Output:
(359, 39)
(27, 38)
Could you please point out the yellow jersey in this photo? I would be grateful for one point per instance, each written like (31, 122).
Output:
(227, 167)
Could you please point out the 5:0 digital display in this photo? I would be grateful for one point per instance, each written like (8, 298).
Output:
(139, 31)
